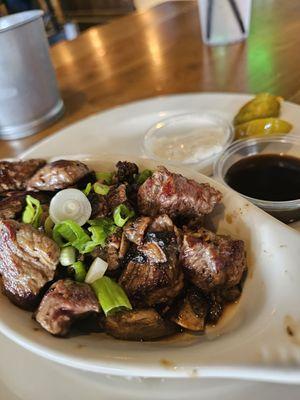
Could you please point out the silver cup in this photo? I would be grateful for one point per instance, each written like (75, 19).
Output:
(29, 96)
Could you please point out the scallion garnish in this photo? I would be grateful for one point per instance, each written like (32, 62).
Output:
(143, 176)
(70, 233)
(67, 256)
(79, 271)
(87, 189)
(48, 226)
(104, 177)
(100, 229)
(100, 188)
(110, 295)
(96, 271)
(98, 235)
(33, 212)
(106, 223)
(122, 214)
(70, 204)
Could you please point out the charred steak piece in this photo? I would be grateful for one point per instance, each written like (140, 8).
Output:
(58, 175)
(168, 193)
(153, 274)
(145, 324)
(11, 207)
(64, 302)
(28, 260)
(100, 207)
(212, 261)
(192, 311)
(126, 171)
(116, 196)
(15, 175)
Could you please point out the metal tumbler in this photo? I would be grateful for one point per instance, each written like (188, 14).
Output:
(29, 96)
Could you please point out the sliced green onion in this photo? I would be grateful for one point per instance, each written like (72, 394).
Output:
(67, 256)
(100, 188)
(87, 189)
(70, 204)
(96, 270)
(143, 176)
(33, 212)
(79, 270)
(48, 226)
(104, 177)
(111, 296)
(98, 235)
(100, 229)
(107, 224)
(70, 233)
(122, 215)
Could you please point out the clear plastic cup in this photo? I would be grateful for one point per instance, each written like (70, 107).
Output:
(192, 139)
(224, 21)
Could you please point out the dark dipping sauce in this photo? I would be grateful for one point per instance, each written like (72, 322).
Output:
(266, 177)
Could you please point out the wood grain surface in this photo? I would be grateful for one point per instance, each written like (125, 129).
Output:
(160, 51)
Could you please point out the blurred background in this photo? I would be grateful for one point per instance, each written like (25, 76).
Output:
(64, 19)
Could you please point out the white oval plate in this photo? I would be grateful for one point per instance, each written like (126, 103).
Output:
(252, 342)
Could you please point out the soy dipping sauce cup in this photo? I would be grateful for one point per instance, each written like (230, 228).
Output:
(286, 211)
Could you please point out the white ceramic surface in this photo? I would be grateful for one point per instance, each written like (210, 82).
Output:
(252, 342)
(125, 135)
(25, 376)
(121, 130)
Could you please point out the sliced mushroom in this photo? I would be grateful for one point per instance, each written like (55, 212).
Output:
(135, 230)
(162, 223)
(145, 324)
(192, 311)
(124, 246)
(153, 252)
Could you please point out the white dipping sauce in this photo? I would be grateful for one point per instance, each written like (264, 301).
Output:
(188, 138)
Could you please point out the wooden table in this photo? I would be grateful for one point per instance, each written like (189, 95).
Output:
(160, 52)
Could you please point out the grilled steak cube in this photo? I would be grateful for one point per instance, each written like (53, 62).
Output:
(153, 275)
(11, 207)
(65, 302)
(172, 194)
(212, 261)
(15, 175)
(126, 171)
(57, 175)
(145, 324)
(28, 260)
